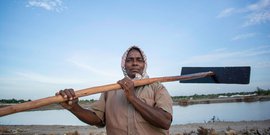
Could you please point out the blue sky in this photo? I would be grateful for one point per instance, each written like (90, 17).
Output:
(48, 45)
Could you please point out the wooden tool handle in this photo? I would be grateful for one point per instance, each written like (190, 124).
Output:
(93, 90)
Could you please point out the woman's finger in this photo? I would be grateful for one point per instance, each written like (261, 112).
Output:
(68, 93)
(63, 94)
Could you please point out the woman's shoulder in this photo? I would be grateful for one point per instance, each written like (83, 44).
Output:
(157, 86)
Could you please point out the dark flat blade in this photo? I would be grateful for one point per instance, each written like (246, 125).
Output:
(224, 75)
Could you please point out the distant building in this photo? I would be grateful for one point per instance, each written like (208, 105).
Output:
(221, 96)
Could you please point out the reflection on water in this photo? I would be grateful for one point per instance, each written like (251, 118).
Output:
(224, 112)
(50, 117)
(181, 115)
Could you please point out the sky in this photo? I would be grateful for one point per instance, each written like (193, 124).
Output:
(49, 45)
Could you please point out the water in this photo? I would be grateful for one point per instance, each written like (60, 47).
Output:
(50, 117)
(239, 111)
(181, 115)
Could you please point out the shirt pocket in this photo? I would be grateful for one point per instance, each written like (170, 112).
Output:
(147, 95)
(148, 101)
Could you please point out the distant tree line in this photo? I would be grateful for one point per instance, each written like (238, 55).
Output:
(10, 101)
(13, 100)
(87, 100)
(259, 92)
(262, 92)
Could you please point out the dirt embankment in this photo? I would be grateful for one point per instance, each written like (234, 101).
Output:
(217, 128)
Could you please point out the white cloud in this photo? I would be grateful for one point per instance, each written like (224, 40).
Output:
(226, 12)
(257, 18)
(244, 36)
(260, 5)
(256, 13)
(50, 5)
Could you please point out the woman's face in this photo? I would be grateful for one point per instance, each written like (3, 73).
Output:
(134, 63)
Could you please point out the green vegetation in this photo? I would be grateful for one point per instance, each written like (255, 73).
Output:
(87, 101)
(262, 92)
(259, 92)
(13, 100)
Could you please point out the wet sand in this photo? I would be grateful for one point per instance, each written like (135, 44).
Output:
(242, 127)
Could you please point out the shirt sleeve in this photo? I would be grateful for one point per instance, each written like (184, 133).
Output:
(162, 98)
(98, 107)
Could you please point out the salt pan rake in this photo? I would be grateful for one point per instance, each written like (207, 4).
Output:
(227, 75)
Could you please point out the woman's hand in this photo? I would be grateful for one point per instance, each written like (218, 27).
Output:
(68, 94)
(128, 87)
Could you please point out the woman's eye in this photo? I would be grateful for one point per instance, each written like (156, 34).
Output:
(140, 60)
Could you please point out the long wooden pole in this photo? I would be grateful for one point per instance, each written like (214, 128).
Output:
(93, 90)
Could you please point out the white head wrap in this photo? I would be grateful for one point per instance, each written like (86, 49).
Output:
(138, 76)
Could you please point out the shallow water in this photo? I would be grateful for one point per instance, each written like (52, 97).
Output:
(239, 111)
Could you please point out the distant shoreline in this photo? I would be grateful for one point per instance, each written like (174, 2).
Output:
(185, 102)
(181, 102)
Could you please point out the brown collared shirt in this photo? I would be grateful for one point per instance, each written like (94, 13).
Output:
(121, 118)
